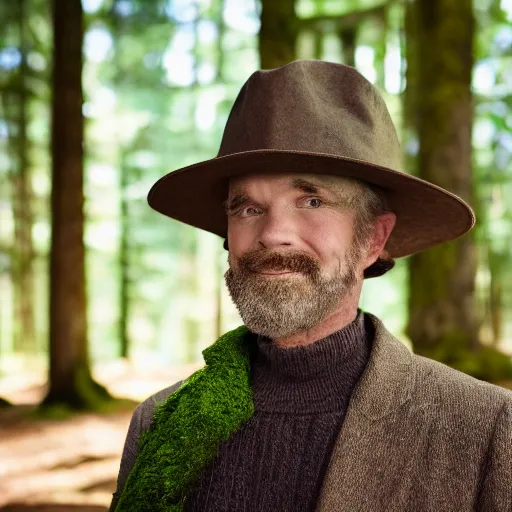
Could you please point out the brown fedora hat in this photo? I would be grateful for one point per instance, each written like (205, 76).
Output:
(312, 116)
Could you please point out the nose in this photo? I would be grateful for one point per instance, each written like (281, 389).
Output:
(277, 230)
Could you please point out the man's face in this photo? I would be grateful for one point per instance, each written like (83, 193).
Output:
(292, 257)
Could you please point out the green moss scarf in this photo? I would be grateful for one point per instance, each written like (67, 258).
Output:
(188, 427)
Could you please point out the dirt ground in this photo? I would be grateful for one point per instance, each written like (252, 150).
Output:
(69, 465)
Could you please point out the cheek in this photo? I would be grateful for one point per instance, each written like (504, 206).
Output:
(331, 244)
(328, 236)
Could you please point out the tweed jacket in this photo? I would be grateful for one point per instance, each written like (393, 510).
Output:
(418, 436)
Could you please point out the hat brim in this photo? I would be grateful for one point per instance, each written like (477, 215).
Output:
(427, 215)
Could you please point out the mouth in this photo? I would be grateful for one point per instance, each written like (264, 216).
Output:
(276, 273)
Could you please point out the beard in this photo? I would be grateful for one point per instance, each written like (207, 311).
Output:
(277, 307)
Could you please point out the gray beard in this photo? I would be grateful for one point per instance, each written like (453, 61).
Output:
(279, 307)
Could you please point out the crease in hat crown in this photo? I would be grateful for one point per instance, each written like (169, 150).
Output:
(325, 107)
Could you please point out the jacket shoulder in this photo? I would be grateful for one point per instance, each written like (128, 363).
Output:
(458, 389)
(146, 408)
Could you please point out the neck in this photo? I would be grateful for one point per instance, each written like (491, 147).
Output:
(343, 316)
(309, 379)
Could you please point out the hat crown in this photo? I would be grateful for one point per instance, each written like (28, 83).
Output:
(314, 106)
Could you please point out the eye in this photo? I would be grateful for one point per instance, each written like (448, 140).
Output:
(314, 199)
(244, 211)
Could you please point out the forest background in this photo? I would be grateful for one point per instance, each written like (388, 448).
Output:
(101, 98)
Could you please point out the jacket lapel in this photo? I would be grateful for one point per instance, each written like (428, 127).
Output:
(382, 431)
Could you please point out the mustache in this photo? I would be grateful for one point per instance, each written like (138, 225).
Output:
(263, 261)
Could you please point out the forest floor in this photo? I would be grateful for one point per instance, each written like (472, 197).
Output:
(69, 465)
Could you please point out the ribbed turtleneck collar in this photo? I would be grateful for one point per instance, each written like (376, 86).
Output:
(314, 378)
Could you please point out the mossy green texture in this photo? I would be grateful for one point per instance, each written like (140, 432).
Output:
(188, 427)
(90, 395)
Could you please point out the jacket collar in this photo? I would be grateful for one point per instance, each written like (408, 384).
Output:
(387, 381)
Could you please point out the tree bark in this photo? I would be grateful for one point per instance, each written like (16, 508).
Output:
(278, 33)
(496, 261)
(124, 207)
(442, 316)
(318, 44)
(70, 381)
(348, 36)
(351, 19)
(124, 257)
(23, 253)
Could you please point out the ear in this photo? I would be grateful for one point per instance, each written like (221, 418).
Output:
(383, 226)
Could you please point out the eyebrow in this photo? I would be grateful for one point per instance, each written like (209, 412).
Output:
(309, 186)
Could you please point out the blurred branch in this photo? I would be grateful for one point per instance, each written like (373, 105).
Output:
(347, 20)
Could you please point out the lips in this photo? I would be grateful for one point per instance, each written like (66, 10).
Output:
(276, 273)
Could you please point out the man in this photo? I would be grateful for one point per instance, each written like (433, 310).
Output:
(312, 405)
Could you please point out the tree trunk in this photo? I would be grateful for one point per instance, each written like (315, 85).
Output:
(70, 381)
(318, 44)
(409, 42)
(219, 252)
(385, 29)
(221, 27)
(497, 262)
(348, 36)
(278, 33)
(23, 253)
(123, 169)
(124, 258)
(442, 317)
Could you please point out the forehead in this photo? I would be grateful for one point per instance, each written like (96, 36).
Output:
(328, 181)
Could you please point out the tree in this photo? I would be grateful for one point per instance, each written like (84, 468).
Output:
(278, 33)
(443, 321)
(15, 100)
(70, 380)
(23, 260)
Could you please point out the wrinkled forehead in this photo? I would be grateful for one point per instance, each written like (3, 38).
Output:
(331, 181)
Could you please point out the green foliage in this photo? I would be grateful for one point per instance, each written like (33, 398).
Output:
(90, 394)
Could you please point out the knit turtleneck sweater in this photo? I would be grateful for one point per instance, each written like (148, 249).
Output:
(278, 459)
